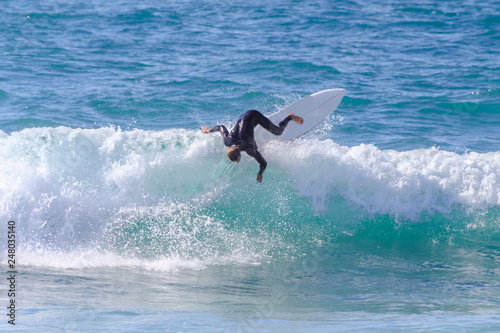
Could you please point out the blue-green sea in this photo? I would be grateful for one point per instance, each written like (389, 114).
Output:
(384, 218)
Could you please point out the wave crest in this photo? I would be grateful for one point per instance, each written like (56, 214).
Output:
(406, 183)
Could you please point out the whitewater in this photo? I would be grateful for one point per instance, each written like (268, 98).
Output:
(77, 190)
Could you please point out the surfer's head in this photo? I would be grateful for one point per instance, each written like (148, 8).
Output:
(234, 153)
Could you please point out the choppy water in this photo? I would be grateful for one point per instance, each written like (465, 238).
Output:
(384, 218)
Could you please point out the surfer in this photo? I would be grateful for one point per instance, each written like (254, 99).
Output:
(241, 137)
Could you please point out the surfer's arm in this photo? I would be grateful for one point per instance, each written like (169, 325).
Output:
(222, 129)
(260, 159)
(219, 128)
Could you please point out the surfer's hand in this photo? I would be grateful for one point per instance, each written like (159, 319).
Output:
(259, 178)
(205, 129)
(297, 119)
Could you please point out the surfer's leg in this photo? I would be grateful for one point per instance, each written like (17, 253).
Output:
(269, 126)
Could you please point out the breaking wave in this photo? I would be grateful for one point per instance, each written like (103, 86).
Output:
(169, 199)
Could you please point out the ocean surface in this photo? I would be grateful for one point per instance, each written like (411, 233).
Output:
(385, 218)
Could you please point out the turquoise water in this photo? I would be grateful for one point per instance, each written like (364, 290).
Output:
(384, 218)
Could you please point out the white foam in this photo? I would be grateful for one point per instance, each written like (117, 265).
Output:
(406, 183)
(67, 187)
(92, 258)
(71, 190)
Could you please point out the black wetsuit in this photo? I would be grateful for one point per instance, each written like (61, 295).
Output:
(242, 133)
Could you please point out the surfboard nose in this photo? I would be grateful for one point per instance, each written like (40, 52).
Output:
(334, 92)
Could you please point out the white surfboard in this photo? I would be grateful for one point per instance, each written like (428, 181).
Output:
(313, 108)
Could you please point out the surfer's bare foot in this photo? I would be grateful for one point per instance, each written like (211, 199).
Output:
(297, 119)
